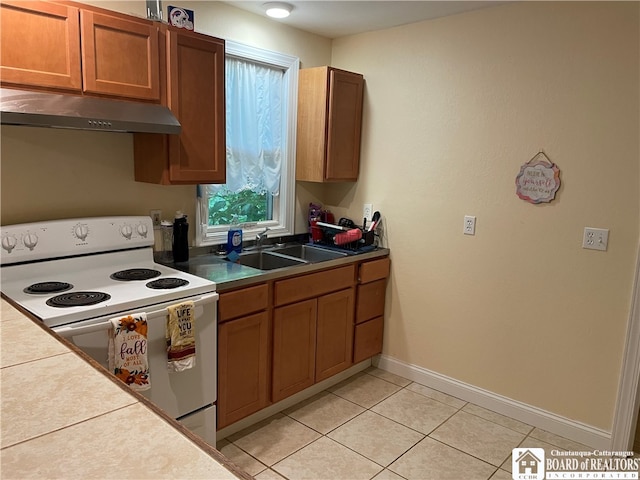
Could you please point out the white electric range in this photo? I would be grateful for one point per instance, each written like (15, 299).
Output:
(76, 274)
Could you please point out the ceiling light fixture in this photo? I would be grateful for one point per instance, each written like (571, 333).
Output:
(278, 9)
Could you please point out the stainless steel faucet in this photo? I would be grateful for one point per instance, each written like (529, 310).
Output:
(260, 237)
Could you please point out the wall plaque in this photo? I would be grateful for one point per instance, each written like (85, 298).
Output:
(538, 180)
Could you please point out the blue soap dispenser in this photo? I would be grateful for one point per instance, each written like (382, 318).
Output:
(234, 238)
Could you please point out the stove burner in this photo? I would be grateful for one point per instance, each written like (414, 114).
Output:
(48, 287)
(166, 283)
(77, 299)
(135, 274)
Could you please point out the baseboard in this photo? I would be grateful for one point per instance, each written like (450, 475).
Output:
(292, 400)
(537, 417)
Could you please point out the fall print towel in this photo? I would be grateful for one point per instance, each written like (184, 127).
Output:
(128, 350)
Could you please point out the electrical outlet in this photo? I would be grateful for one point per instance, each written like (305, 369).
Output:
(469, 225)
(367, 211)
(156, 216)
(595, 238)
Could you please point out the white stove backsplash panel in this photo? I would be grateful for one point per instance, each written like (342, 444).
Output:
(60, 238)
(54, 258)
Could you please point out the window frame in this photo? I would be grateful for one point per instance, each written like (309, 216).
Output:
(284, 203)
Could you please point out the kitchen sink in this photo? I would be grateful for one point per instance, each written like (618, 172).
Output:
(310, 253)
(265, 260)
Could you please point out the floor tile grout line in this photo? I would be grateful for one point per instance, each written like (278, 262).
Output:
(70, 425)
(326, 435)
(247, 453)
(470, 454)
(360, 414)
(288, 455)
(335, 441)
(527, 436)
(496, 423)
(333, 429)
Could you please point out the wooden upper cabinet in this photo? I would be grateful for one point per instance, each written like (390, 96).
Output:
(40, 45)
(329, 125)
(195, 95)
(195, 90)
(62, 47)
(120, 56)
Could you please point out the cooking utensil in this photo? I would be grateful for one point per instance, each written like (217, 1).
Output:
(374, 220)
(331, 225)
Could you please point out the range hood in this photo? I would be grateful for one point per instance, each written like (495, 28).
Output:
(40, 109)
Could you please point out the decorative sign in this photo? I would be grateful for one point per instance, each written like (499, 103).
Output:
(538, 180)
(181, 17)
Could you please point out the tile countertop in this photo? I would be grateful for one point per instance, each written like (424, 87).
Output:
(63, 416)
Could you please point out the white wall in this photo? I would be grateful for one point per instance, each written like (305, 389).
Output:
(453, 108)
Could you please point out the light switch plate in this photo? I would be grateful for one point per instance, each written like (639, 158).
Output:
(595, 238)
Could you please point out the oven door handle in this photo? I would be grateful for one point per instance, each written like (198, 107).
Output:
(76, 329)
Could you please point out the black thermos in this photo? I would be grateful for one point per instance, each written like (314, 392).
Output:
(180, 238)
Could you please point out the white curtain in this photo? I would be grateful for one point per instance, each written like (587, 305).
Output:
(254, 127)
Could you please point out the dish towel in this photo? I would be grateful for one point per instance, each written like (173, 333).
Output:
(128, 350)
(181, 340)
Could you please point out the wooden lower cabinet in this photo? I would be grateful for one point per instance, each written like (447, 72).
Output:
(369, 319)
(334, 343)
(278, 338)
(368, 339)
(243, 367)
(294, 348)
(371, 300)
(312, 341)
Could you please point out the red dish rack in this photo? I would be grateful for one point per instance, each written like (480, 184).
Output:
(325, 234)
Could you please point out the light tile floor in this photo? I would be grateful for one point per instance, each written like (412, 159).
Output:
(376, 425)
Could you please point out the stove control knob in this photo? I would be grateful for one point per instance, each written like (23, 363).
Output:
(30, 240)
(126, 231)
(81, 231)
(9, 242)
(142, 230)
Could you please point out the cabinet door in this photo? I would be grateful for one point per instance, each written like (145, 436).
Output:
(345, 119)
(196, 97)
(120, 57)
(294, 346)
(40, 45)
(335, 333)
(243, 367)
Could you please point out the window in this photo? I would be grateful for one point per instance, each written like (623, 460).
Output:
(261, 95)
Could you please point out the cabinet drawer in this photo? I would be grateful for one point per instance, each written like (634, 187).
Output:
(313, 285)
(374, 270)
(242, 302)
(370, 302)
(368, 339)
